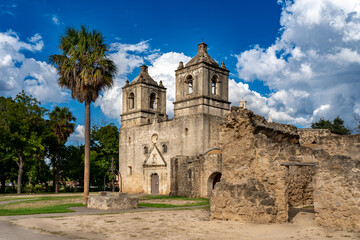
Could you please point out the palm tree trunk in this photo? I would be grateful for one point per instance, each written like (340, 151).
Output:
(87, 153)
(57, 178)
(112, 174)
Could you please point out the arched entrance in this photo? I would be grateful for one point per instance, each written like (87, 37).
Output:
(213, 179)
(155, 183)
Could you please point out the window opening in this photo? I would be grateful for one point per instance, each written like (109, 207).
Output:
(131, 100)
(213, 86)
(164, 148)
(190, 83)
(190, 87)
(152, 101)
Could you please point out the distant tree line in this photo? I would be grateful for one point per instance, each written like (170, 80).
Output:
(34, 156)
(335, 126)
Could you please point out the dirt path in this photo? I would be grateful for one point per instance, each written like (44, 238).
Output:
(176, 224)
(11, 231)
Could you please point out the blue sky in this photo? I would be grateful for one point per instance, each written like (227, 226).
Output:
(296, 60)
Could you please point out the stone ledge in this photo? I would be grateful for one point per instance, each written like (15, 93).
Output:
(120, 201)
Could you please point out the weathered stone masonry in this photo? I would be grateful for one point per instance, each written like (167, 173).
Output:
(265, 170)
(251, 169)
(148, 139)
(195, 176)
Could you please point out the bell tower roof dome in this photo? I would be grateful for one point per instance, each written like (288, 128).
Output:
(202, 56)
(144, 77)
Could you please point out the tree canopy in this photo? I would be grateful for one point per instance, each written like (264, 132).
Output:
(61, 126)
(24, 130)
(335, 126)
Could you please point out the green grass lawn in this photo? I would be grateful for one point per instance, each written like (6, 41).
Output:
(61, 204)
(194, 201)
(61, 208)
(40, 205)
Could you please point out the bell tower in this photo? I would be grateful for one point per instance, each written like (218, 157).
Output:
(143, 100)
(201, 86)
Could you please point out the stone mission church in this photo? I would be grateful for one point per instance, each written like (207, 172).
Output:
(149, 141)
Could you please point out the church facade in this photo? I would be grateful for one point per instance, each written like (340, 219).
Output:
(149, 140)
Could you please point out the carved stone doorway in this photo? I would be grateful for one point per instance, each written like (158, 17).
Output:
(155, 183)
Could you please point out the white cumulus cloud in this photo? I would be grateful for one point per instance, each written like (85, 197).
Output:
(78, 137)
(55, 19)
(163, 69)
(18, 72)
(126, 57)
(313, 67)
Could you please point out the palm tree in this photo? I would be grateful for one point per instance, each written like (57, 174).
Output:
(85, 69)
(61, 126)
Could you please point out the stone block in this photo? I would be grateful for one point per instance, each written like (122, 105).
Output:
(119, 201)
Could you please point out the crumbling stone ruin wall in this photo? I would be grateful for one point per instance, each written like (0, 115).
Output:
(347, 145)
(193, 176)
(254, 185)
(334, 144)
(310, 136)
(337, 193)
(265, 170)
(300, 188)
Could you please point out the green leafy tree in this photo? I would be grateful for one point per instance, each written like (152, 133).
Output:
(84, 68)
(7, 165)
(336, 126)
(106, 149)
(61, 127)
(25, 131)
(73, 163)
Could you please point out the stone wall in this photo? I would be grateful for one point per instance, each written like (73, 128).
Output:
(347, 145)
(300, 190)
(334, 144)
(254, 185)
(193, 176)
(310, 136)
(337, 193)
(187, 135)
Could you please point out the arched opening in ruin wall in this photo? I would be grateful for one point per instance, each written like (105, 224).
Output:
(212, 180)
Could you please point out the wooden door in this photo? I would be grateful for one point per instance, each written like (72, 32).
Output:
(155, 184)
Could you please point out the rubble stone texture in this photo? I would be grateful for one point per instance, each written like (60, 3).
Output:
(310, 136)
(334, 144)
(265, 170)
(300, 186)
(337, 194)
(121, 201)
(194, 176)
(347, 145)
(255, 187)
